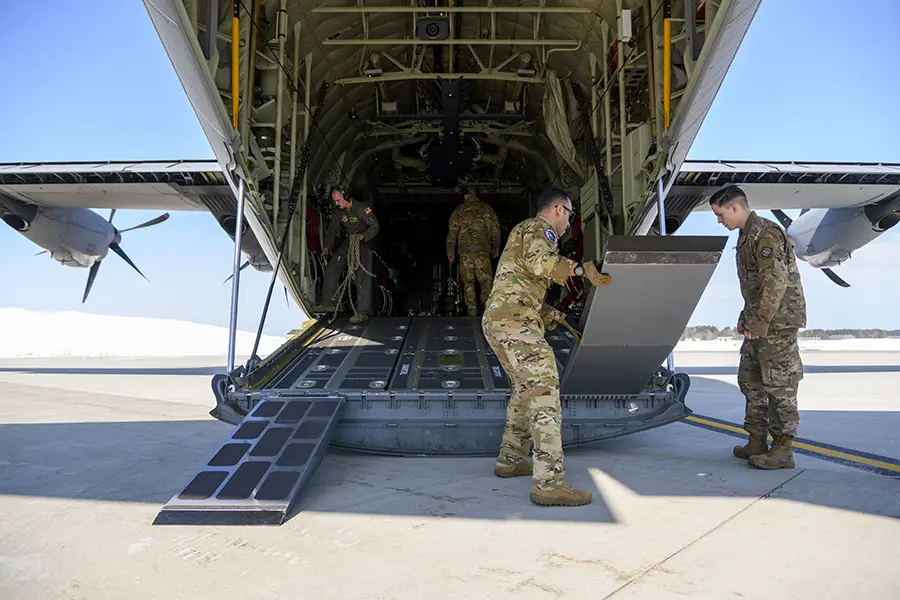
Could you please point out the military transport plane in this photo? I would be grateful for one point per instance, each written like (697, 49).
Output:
(404, 102)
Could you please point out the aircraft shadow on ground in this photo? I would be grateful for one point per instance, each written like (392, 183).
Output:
(150, 461)
(114, 370)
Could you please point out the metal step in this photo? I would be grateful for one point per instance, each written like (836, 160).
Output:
(630, 326)
(264, 466)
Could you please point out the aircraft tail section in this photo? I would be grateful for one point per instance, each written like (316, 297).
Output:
(631, 325)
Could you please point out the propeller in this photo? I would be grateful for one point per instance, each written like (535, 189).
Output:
(786, 222)
(243, 266)
(114, 246)
(247, 264)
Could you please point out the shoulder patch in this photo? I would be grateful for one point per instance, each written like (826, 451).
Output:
(368, 210)
(550, 235)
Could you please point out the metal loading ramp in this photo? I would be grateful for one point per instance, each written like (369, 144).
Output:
(257, 474)
(414, 386)
(631, 325)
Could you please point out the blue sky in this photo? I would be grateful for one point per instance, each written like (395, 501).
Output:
(812, 81)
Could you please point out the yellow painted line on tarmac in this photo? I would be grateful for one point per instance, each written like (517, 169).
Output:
(838, 454)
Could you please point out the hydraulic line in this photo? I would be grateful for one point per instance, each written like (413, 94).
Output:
(292, 206)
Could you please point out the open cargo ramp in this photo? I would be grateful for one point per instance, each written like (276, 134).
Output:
(417, 386)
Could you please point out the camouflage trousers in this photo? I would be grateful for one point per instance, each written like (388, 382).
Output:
(472, 266)
(769, 373)
(533, 414)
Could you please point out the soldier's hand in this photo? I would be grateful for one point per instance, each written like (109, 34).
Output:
(450, 258)
(596, 277)
(740, 325)
(325, 252)
(361, 237)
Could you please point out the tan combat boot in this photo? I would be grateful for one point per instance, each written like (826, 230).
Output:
(516, 469)
(562, 495)
(781, 456)
(756, 445)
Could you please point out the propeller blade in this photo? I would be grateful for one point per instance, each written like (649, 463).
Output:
(782, 217)
(112, 211)
(833, 276)
(150, 223)
(286, 301)
(42, 252)
(243, 266)
(115, 248)
(90, 282)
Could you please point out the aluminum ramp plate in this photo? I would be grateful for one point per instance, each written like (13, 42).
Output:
(631, 325)
(261, 470)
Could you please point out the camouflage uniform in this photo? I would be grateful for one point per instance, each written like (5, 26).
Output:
(358, 219)
(476, 226)
(770, 367)
(514, 323)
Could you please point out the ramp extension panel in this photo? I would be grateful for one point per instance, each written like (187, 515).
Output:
(261, 469)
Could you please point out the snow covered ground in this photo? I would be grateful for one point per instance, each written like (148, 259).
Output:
(25, 333)
(851, 345)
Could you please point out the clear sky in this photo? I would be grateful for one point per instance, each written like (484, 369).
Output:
(811, 81)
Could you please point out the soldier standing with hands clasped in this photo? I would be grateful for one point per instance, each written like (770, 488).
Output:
(774, 310)
(514, 323)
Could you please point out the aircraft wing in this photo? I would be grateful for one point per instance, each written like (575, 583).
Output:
(136, 185)
(787, 185)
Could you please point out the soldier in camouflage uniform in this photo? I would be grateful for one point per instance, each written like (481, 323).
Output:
(474, 223)
(774, 310)
(357, 219)
(514, 324)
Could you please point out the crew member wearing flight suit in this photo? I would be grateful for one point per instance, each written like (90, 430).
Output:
(357, 219)
(514, 323)
(474, 223)
(774, 309)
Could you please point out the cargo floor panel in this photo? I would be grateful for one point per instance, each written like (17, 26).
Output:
(350, 356)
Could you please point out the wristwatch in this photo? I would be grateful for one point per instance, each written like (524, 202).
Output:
(579, 269)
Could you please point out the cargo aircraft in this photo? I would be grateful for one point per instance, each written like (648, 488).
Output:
(403, 103)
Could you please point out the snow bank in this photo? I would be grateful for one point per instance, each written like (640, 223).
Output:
(851, 345)
(25, 333)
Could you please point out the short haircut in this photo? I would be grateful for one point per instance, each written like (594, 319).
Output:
(549, 197)
(728, 194)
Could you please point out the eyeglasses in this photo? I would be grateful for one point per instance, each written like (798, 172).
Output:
(570, 211)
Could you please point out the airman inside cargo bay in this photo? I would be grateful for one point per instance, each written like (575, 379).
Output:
(474, 227)
(514, 324)
(774, 310)
(359, 221)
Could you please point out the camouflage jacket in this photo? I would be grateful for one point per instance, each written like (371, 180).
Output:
(770, 282)
(359, 218)
(529, 263)
(476, 226)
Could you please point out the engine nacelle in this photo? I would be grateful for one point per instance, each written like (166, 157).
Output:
(17, 215)
(883, 215)
(75, 237)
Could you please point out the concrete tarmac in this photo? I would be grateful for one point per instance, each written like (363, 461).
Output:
(91, 449)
